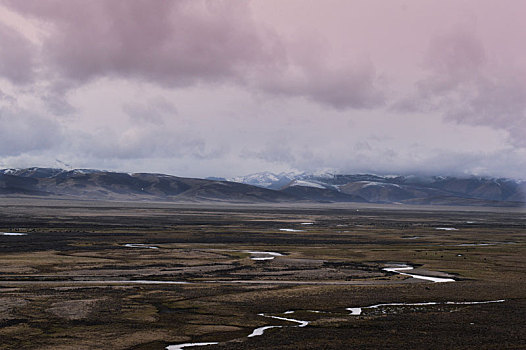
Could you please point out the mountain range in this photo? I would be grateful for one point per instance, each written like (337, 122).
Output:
(262, 188)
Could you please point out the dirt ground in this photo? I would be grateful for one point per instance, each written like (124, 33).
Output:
(92, 275)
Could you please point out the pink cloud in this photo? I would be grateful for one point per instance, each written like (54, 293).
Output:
(181, 43)
(170, 42)
(16, 56)
(466, 86)
(298, 83)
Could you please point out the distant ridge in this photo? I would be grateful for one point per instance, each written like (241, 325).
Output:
(106, 185)
(412, 189)
(261, 188)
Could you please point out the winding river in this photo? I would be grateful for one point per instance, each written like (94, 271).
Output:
(401, 268)
(258, 255)
(188, 345)
(140, 245)
(259, 331)
(356, 311)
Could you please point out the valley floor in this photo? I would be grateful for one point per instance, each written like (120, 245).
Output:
(91, 275)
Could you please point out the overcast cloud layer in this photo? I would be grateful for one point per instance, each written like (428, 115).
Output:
(225, 88)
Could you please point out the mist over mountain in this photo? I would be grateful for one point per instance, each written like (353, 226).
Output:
(413, 189)
(262, 188)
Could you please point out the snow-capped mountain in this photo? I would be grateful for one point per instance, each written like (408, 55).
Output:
(393, 188)
(44, 173)
(267, 179)
(263, 187)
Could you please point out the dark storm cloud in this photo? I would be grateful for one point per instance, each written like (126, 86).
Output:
(201, 87)
(181, 43)
(16, 56)
(468, 88)
(346, 86)
(170, 42)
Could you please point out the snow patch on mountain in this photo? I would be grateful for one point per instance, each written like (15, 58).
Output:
(375, 183)
(307, 184)
(267, 179)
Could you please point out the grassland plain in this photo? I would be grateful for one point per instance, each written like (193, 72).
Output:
(91, 275)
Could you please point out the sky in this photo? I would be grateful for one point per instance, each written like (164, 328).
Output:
(226, 87)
